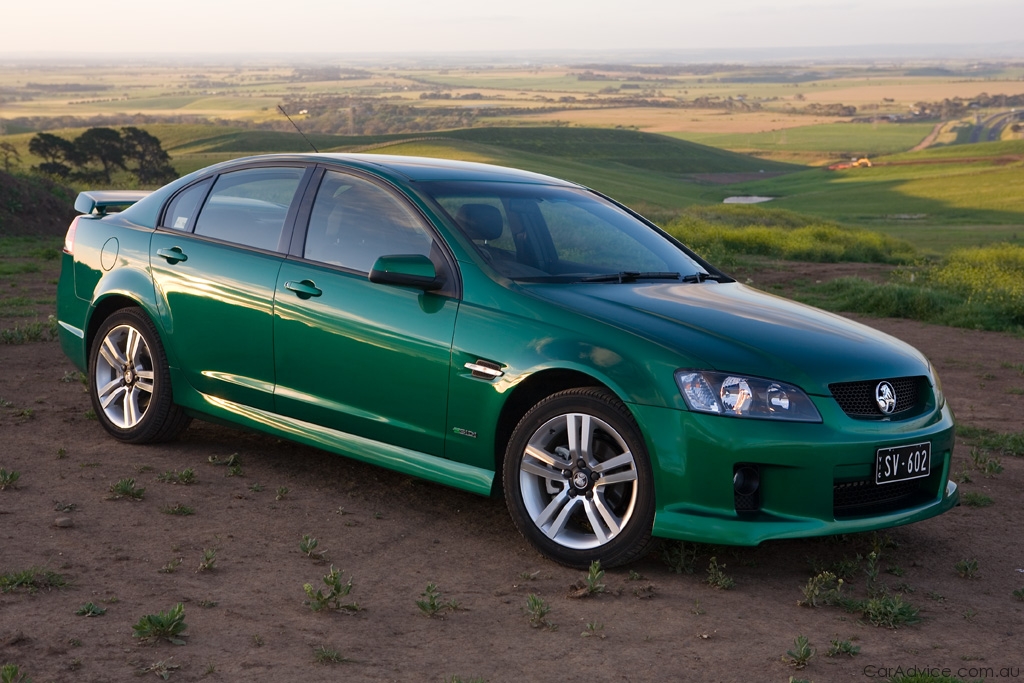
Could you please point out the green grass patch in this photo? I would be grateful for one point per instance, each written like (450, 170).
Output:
(31, 580)
(837, 139)
(21, 247)
(1011, 443)
(30, 332)
(980, 288)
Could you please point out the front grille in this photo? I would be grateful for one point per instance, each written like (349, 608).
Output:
(857, 399)
(859, 498)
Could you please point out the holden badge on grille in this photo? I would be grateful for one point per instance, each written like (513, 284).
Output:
(885, 397)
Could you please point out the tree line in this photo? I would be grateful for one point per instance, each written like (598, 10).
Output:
(98, 152)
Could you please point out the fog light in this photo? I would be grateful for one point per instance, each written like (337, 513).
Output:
(746, 485)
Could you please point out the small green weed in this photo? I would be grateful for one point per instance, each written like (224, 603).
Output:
(973, 499)
(886, 610)
(325, 655)
(208, 561)
(282, 491)
(1019, 594)
(838, 647)
(801, 652)
(11, 673)
(984, 464)
(969, 614)
(336, 590)
(967, 568)
(458, 679)
(186, 476)
(9, 480)
(593, 629)
(591, 584)
(180, 509)
(171, 566)
(256, 487)
(90, 610)
(125, 488)
(823, 589)
(168, 625)
(717, 577)
(163, 669)
(595, 575)
(680, 557)
(537, 611)
(308, 546)
(61, 506)
(431, 603)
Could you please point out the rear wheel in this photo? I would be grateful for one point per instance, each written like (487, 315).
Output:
(578, 481)
(129, 381)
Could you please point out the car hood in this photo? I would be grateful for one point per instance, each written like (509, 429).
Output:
(734, 328)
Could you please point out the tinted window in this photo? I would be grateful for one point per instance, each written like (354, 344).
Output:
(354, 222)
(543, 232)
(249, 207)
(183, 207)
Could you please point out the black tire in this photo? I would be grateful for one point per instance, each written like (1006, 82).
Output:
(567, 509)
(129, 381)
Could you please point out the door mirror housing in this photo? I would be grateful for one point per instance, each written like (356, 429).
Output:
(406, 270)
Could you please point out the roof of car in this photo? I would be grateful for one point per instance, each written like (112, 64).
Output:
(419, 168)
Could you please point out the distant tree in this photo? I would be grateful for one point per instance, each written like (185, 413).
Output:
(152, 163)
(102, 145)
(10, 155)
(56, 152)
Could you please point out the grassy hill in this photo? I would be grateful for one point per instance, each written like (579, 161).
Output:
(653, 173)
(937, 198)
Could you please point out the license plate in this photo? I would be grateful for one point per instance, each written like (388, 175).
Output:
(902, 463)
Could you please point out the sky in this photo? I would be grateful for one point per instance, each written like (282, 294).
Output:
(185, 27)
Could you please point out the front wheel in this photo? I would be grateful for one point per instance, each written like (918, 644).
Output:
(578, 481)
(129, 381)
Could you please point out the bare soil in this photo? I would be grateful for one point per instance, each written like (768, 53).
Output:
(393, 535)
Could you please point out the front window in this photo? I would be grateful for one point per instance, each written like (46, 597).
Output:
(549, 233)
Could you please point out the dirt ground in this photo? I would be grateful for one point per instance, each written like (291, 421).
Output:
(392, 535)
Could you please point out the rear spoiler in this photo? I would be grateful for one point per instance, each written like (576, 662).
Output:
(98, 201)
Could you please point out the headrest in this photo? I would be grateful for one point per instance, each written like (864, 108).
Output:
(480, 221)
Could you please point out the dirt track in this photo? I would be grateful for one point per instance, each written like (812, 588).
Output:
(393, 534)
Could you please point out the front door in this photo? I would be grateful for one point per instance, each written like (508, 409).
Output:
(362, 358)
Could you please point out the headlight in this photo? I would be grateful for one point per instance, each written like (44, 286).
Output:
(940, 398)
(721, 393)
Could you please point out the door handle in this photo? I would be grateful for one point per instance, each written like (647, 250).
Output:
(303, 289)
(173, 255)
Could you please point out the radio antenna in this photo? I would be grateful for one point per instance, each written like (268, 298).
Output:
(297, 129)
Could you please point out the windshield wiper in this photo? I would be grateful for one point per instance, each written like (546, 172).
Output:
(701, 276)
(630, 276)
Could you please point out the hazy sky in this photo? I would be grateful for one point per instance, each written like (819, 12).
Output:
(340, 26)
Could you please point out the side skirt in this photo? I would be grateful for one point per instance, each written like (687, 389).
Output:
(429, 467)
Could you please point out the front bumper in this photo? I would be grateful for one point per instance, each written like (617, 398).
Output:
(814, 479)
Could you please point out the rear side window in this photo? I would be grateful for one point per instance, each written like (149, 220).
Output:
(354, 222)
(250, 207)
(182, 208)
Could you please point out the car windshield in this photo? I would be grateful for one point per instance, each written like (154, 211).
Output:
(549, 233)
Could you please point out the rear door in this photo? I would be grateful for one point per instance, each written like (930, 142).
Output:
(364, 358)
(215, 263)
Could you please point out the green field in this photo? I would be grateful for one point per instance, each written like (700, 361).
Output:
(834, 139)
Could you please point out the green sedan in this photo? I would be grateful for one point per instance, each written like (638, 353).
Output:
(502, 332)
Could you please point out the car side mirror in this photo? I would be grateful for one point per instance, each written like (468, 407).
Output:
(406, 270)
